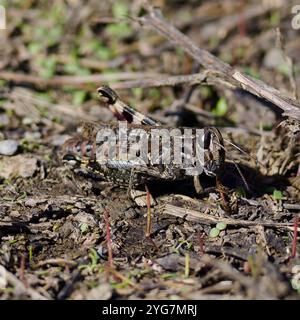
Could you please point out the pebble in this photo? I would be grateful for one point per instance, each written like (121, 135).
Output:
(58, 140)
(27, 121)
(18, 166)
(85, 218)
(8, 147)
(101, 292)
(15, 214)
(32, 136)
(4, 120)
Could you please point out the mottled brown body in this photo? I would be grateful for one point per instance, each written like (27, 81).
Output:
(83, 149)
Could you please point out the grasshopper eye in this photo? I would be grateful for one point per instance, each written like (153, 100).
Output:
(107, 94)
(70, 159)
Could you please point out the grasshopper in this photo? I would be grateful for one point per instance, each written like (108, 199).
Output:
(82, 150)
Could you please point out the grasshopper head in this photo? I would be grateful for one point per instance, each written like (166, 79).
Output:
(214, 151)
(71, 153)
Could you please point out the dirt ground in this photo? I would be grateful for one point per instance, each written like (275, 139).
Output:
(56, 226)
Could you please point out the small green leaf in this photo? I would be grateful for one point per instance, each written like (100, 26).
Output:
(48, 67)
(275, 18)
(214, 232)
(221, 226)
(240, 192)
(221, 108)
(103, 53)
(34, 47)
(84, 228)
(284, 69)
(226, 57)
(119, 30)
(277, 194)
(240, 52)
(214, 41)
(75, 69)
(169, 276)
(267, 126)
(137, 92)
(54, 35)
(120, 9)
(206, 92)
(252, 72)
(93, 255)
(44, 96)
(79, 97)
(154, 93)
(30, 253)
(55, 226)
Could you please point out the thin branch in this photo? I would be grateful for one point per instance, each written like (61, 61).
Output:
(197, 216)
(155, 20)
(108, 239)
(75, 81)
(167, 81)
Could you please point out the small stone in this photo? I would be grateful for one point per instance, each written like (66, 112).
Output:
(18, 166)
(131, 213)
(213, 196)
(15, 214)
(32, 136)
(80, 205)
(8, 147)
(31, 202)
(171, 262)
(140, 198)
(58, 140)
(4, 120)
(102, 292)
(28, 168)
(85, 218)
(222, 233)
(27, 121)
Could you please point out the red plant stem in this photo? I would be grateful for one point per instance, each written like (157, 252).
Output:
(108, 239)
(242, 25)
(242, 22)
(148, 201)
(295, 236)
(224, 196)
(22, 271)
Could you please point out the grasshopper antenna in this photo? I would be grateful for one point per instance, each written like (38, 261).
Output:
(237, 167)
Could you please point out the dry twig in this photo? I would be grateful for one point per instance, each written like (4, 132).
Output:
(193, 215)
(155, 20)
